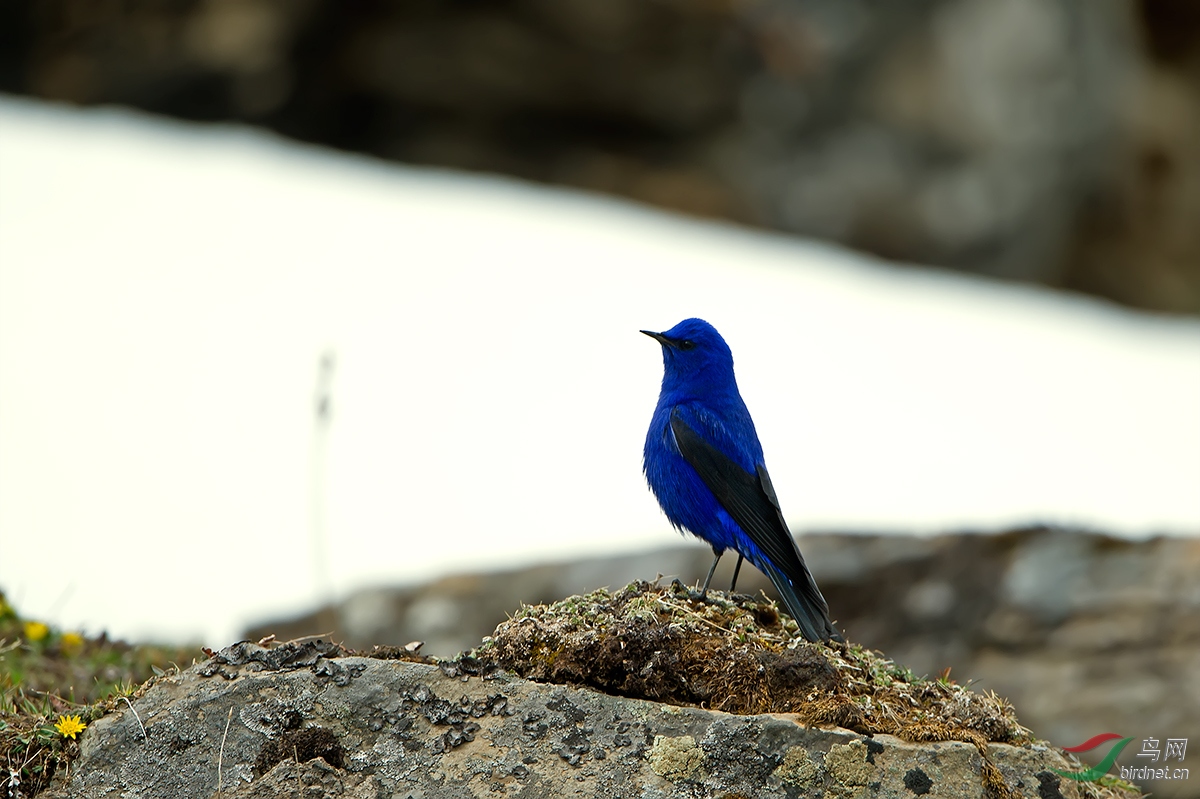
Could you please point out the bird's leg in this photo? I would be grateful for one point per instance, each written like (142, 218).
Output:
(736, 569)
(713, 568)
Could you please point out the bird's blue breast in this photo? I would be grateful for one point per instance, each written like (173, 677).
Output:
(686, 500)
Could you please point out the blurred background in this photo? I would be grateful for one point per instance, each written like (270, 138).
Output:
(321, 316)
(1047, 142)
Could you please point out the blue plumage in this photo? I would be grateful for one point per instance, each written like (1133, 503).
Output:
(704, 463)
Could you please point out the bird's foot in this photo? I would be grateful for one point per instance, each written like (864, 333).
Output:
(694, 594)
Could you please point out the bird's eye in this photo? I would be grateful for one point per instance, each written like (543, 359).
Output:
(686, 345)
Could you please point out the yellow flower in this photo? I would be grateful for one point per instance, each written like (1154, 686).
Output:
(35, 630)
(68, 726)
(71, 643)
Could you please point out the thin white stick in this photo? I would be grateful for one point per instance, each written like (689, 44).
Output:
(145, 737)
(221, 754)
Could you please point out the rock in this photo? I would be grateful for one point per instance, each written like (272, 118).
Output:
(244, 725)
(1050, 619)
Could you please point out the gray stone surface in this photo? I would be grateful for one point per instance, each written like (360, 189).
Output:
(410, 731)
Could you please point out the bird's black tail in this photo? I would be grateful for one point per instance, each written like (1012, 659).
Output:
(805, 604)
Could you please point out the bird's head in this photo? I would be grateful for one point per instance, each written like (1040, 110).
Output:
(695, 356)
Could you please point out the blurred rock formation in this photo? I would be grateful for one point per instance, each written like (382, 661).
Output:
(1052, 142)
(1084, 633)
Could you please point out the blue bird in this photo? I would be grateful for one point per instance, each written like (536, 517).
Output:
(704, 463)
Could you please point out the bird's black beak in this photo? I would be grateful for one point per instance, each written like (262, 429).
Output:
(660, 338)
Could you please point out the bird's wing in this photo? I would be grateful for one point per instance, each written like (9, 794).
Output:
(750, 499)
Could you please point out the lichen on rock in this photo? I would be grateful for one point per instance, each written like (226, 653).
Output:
(847, 763)
(797, 769)
(675, 758)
